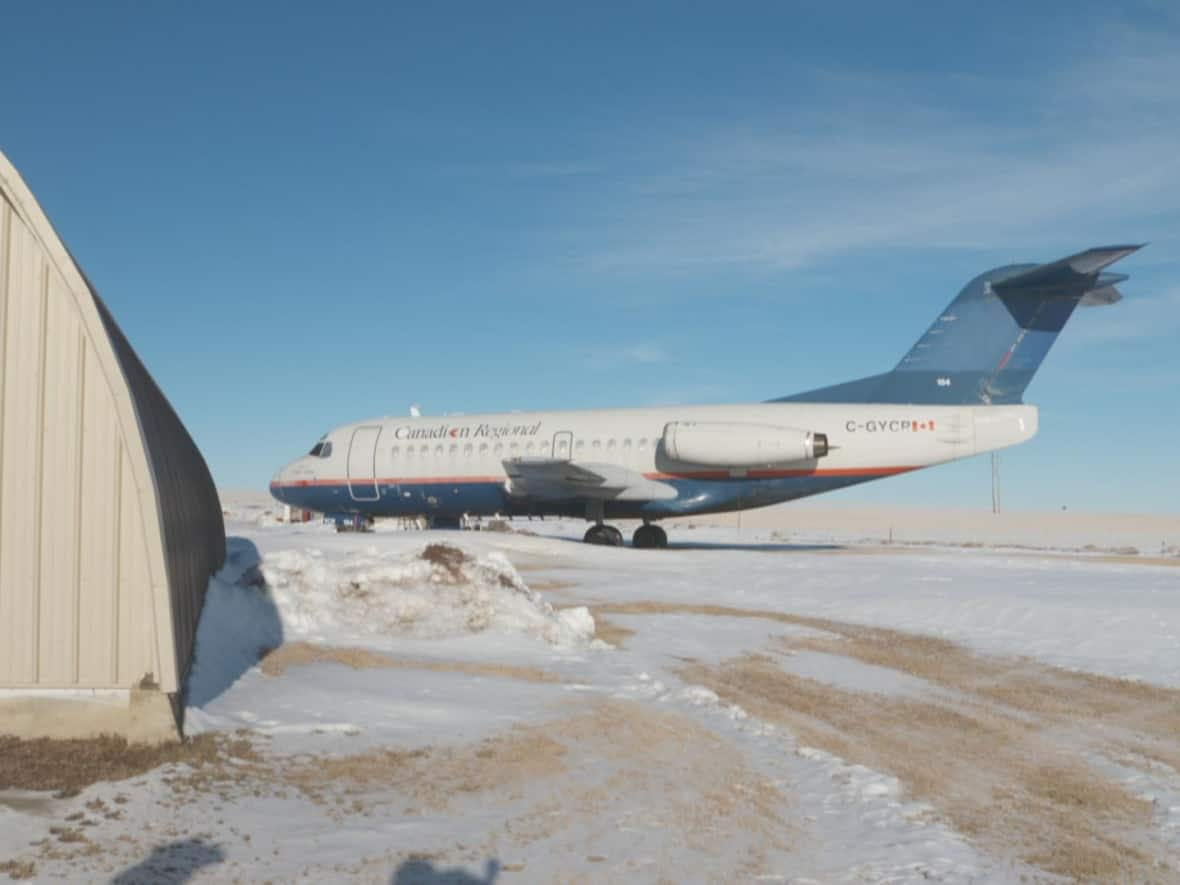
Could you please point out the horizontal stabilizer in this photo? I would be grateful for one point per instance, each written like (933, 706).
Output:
(1069, 276)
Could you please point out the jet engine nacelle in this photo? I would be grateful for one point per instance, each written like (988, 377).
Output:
(731, 444)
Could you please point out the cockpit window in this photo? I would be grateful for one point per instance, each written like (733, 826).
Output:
(321, 450)
(316, 449)
(326, 451)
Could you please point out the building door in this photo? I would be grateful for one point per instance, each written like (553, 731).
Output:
(362, 463)
(563, 445)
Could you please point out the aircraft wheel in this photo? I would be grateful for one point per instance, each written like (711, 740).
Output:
(597, 534)
(604, 535)
(649, 536)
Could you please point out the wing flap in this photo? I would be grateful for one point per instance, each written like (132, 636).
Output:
(555, 479)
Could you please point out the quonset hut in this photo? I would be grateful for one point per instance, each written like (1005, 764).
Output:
(110, 525)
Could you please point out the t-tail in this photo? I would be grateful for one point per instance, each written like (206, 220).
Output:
(987, 345)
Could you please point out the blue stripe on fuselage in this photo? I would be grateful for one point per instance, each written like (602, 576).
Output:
(694, 496)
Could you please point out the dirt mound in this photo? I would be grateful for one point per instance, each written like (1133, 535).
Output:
(450, 559)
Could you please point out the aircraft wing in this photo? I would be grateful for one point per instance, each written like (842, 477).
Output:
(559, 479)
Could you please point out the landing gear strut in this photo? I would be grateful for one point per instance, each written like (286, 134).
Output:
(604, 535)
(649, 535)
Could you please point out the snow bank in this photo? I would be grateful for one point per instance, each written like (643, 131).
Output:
(434, 592)
(437, 591)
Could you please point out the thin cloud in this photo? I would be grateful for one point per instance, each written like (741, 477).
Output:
(902, 163)
(1152, 316)
(552, 169)
(644, 353)
(639, 353)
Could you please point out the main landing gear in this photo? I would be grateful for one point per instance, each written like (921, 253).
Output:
(647, 536)
(604, 535)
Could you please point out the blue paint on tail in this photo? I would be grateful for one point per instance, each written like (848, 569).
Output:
(989, 342)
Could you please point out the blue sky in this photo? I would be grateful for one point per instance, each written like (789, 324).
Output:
(306, 214)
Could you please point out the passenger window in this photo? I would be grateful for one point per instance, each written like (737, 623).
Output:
(597, 444)
(529, 447)
(627, 443)
(642, 444)
(438, 450)
(468, 449)
(454, 449)
(580, 444)
(499, 448)
(397, 450)
(483, 448)
(425, 450)
(610, 444)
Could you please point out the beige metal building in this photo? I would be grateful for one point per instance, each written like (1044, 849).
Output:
(110, 524)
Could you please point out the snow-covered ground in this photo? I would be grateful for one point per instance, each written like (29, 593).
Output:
(753, 704)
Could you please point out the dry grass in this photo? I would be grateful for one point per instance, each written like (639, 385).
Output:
(299, 654)
(1076, 698)
(1172, 561)
(1020, 683)
(429, 778)
(653, 768)
(18, 869)
(69, 766)
(997, 776)
(610, 632)
(1153, 751)
(992, 774)
(605, 764)
(1003, 751)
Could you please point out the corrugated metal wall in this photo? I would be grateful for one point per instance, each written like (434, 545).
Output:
(189, 509)
(110, 524)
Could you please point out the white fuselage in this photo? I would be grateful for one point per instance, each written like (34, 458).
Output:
(457, 463)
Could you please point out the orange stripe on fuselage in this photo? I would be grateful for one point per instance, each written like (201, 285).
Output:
(782, 474)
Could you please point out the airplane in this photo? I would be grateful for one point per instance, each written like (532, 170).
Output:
(958, 392)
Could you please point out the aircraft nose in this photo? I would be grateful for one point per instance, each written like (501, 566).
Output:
(277, 485)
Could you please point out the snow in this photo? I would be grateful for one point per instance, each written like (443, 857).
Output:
(550, 753)
(375, 593)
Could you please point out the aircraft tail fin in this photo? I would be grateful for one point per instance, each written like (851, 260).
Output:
(989, 342)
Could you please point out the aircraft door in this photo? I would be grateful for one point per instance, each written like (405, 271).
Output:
(362, 463)
(563, 445)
